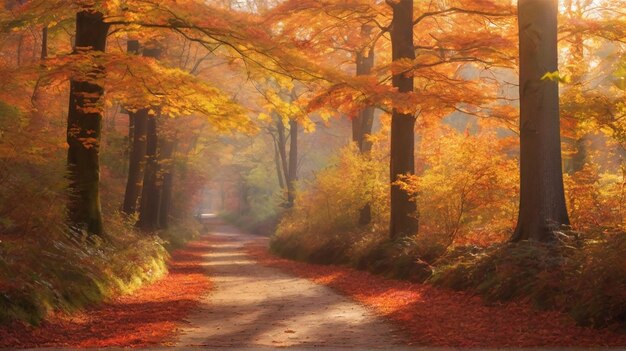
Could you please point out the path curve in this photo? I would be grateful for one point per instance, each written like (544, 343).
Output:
(256, 306)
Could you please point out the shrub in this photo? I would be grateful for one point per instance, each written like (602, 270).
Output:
(468, 191)
(587, 280)
(323, 225)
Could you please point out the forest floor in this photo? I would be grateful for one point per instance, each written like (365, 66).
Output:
(227, 291)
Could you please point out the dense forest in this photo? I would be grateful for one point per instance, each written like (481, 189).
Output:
(470, 152)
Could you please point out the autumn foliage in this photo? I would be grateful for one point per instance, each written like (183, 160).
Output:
(405, 138)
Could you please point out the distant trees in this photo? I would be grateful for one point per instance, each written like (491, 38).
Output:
(542, 200)
(282, 122)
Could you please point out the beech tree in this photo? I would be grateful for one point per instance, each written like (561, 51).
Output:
(403, 208)
(137, 121)
(150, 195)
(84, 126)
(149, 207)
(542, 201)
(364, 120)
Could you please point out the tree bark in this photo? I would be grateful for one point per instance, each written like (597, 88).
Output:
(149, 205)
(277, 159)
(403, 208)
(362, 123)
(282, 150)
(84, 128)
(293, 162)
(44, 42)
(138, 127)
(542, 200)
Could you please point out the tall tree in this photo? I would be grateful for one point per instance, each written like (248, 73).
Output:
(84, 127)
(542, 200)
(138, 127)
(277, 160)
(293, 162)
(403, 207)
(150, 204)
(281, 145)
(149, 208)
(362, 123)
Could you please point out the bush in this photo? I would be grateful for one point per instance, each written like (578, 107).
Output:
(588, 281)
(467, 193)
(323, 225)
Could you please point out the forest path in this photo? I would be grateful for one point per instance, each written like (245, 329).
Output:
(256, 306)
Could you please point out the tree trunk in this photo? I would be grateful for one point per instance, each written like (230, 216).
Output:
(44, 42)
(579, 159)
(282, 145)
(138, 126)
(403, 208)
(362, 123)
(150, 203)
(277, 158)
(166, 171)
(542, 200)
(20, 48)
(149, 208)
(38, 121)
(83, 130)
(293, 162)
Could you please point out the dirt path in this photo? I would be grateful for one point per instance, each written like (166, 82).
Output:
(255, 306)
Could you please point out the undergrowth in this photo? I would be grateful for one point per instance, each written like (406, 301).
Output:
(43, 266)
(587, 280)
(64, 272)
(462, 242)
